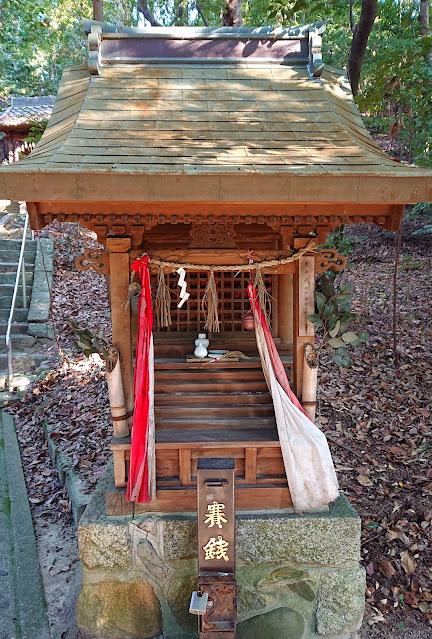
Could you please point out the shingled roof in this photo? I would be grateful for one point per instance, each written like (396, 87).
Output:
(196, 113)
(24, 111)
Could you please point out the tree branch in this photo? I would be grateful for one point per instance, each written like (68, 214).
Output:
(200, 11)
(351, 16)
(361, 33)
(143, 8)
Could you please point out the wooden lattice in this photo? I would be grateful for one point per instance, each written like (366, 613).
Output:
(232, 294)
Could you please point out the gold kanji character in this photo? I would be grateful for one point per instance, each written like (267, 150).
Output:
(216, 549)
(215, 516)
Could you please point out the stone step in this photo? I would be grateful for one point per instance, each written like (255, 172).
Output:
(22, 362)
(9, 278)
(11, 267)
(6, 300)
(6, 290)
(19, 340)
(16, 244)
(17, 327)
(9, 255)
(20, 314)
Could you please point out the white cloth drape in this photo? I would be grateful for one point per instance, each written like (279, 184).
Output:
(308, 464)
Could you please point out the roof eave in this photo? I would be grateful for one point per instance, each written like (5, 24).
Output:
(399, 187)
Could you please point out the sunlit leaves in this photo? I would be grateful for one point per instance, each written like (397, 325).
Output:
(332, 318)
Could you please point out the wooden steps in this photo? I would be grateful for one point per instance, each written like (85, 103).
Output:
(207, 386)
(215, 396)
(222, 409)
(223, 398)
(215, 422)
(214, 375)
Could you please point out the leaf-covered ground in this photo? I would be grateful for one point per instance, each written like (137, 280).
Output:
(377, 418)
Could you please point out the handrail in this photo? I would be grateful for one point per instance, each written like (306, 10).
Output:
(20, 271)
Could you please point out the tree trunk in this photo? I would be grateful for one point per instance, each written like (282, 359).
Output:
(361, 33)
(232, 17)
(98, 10)
(143, 7)
(423, 17)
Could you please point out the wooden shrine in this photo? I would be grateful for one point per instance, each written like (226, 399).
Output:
(196, 146)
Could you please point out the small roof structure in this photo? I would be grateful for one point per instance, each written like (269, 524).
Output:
(215, 116)
(23, 111)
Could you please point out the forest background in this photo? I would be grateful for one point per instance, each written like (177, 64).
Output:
(386, 46)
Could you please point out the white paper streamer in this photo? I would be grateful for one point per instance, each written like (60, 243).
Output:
(183, 285)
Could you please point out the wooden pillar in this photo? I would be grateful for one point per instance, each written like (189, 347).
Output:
(285, 295)
(304, 305)
(285, 308)
(119, 248)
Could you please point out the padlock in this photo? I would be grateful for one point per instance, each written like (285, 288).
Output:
(198, 603)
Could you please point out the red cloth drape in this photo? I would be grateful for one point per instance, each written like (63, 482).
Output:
(138, 481)
(277, 365)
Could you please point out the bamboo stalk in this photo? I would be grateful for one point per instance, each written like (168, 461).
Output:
(310, 380)
(117, 401)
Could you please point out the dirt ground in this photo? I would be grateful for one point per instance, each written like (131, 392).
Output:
(376, 417)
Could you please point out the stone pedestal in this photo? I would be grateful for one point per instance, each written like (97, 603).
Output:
(298, 576)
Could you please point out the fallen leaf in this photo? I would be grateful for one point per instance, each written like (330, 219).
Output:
(410, 599)
(386, 568)
(364, 480)
(408, 563)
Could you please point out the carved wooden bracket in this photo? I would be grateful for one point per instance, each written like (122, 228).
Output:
(327, 259)
(94, 258)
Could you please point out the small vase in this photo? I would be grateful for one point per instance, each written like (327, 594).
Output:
(201, 346)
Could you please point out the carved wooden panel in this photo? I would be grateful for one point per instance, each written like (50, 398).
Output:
(95, 259)
(327, 259)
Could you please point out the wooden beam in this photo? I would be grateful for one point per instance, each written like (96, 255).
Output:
(183, 209)
(285, 308)
(120, 311)
(185, 466)
(304, 305)
(250, 465)
(119, 458)
(185, 499)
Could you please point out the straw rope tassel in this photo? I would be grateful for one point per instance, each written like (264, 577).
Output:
(210, 304)
(163, 301)
(264, 298)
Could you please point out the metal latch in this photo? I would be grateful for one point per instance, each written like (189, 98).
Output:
(198, 603)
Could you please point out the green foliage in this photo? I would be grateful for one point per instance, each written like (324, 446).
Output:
(408, 263)
(397, 80)
(38, 38)
(36, 131)
(342, 242)
(426, 230)
(419, 209)
(91, 343)
(333, 317)
(288, 12)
